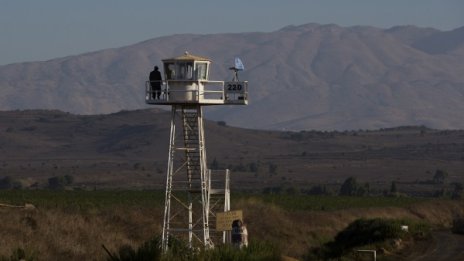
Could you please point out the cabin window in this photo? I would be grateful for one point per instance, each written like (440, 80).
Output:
(201, 71)
(186, 71)
(170, 70)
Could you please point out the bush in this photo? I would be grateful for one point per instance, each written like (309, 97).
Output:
(349, 187)
(458, 226)
(59, 182)
(440, 176)
(10, 183)
(55, 183)
(371, 231)
(6, 183)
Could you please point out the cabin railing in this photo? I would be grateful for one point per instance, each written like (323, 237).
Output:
(188, 91)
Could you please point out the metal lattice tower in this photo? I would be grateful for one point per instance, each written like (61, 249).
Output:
(194, 194)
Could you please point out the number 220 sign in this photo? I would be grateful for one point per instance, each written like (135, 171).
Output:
(234, 87)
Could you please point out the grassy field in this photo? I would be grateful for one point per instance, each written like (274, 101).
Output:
(82, 199)
(309, 202)
(74, 224)
(102, 199)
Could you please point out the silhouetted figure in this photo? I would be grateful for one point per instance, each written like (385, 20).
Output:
(239, 234)
(236, 235)
(155, 82)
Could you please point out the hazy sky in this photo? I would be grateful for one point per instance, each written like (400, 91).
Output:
(33, 30)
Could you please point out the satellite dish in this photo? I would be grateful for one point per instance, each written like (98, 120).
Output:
(238, 66)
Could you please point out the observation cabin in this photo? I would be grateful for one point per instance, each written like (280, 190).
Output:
(186, 81)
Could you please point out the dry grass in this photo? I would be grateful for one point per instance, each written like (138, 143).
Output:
(297, 231)
(63, 234)
(69, 235)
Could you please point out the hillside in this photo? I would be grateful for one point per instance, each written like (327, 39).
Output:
(321, 77)
(129, 149)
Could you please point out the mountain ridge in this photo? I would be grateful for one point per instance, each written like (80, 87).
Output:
(310, 76)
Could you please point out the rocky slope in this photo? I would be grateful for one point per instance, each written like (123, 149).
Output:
(301, 77)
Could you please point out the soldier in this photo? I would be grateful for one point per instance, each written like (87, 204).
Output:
(155, 82)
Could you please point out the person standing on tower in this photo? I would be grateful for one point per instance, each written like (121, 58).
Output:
(155, 82)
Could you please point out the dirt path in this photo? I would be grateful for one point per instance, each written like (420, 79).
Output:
(444, 245)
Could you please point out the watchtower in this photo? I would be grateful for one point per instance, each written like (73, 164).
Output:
(193, 192)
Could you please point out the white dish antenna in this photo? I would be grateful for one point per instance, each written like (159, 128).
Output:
(238, 66)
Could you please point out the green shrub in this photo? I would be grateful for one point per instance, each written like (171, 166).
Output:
(363, 232)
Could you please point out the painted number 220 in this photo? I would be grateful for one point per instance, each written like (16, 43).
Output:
(234, 87)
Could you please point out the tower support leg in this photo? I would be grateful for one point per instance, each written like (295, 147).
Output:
(186, 210)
